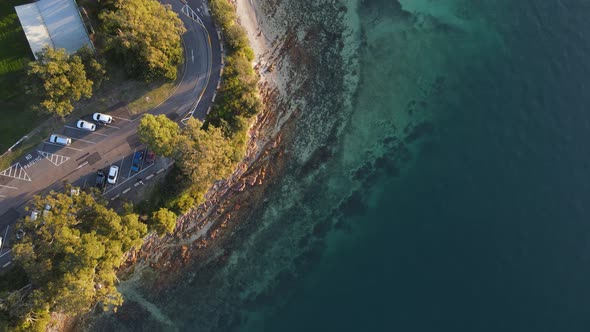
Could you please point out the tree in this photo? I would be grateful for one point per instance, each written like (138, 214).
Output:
(59, 80)
(164, 221)
(204, 156)
(71, 253)
(145, 36)
(93, 65)
(160, 133)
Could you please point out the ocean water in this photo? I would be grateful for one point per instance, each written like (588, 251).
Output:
(448, 192)
(484, 225)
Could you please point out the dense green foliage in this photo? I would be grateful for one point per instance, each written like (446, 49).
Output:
(202, 155)
(238, 95)
(164, 221)
(15, 54)
(160, 133)
(94, 66)
(144, 35)
(58, 80)
(71, 253)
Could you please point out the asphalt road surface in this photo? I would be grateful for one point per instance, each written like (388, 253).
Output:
(48, 166)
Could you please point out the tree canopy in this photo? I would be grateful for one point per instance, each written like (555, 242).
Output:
(203, 155)
(145, 36)
(58, 80)
(160, 133)
(164, 221)
(71, 253)
(238, 95)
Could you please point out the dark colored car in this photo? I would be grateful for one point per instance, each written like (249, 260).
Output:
(135, 166)
(150, 157)
(100, 179)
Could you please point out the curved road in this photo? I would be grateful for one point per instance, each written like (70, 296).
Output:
(48, 166)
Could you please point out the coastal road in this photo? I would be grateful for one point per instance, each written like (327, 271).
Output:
(48, 166)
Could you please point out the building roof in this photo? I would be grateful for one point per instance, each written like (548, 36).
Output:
(54, 23)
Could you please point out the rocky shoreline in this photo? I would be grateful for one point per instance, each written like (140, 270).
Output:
(302, 68)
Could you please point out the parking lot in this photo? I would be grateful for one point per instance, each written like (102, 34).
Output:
(49, 165)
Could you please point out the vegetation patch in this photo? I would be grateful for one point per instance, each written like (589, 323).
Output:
(14, 56)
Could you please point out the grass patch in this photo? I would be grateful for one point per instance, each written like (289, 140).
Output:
(139, 96)
(14, 56)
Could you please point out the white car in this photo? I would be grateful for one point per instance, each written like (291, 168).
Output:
(86, 125)
(34, 215)
(113, 174)
(61, 140)
(102, 118)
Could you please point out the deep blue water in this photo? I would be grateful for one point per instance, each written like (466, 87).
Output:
(488, 229)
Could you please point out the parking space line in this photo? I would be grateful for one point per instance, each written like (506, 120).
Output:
(129, 175)
(2, 196)
(7, 263)
(5, 234)
(116, 117)
(120, 184)
(85, 131)
(143, 159)
(106, 125)
(6, 253)
(9, 187)
(65, 147)
(83, 140)
(74, 128)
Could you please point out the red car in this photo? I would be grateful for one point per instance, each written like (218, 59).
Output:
(150, 157)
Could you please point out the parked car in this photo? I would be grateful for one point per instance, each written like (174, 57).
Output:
(19, 234)
(150, 157)
(61, 140)
(47, 209)
(113, 174)
(34, 214)
(102, 118)
(101, 179)
(135, 166)
(86, 125)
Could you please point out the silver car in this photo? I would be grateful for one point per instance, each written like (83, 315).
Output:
(102, 118)
(61, 140)
(113, 174)
(86, 125)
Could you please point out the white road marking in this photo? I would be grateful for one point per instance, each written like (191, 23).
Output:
(134, 175)
(8, 263)
(193, 55)
(86, 131)
(112, 126)
(133, 156)
(9, 187)
(83, 140)
(116, 117)
(6, 253)
(5, 234)
(65, 147)
(56, 159)
(2, 196)
(82, 165)
(16, 171)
